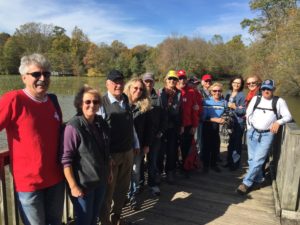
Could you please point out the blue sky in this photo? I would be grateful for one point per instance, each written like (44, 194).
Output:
(132, 22)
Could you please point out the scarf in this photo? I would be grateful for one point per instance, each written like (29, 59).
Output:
(250, 95)
(170, 94)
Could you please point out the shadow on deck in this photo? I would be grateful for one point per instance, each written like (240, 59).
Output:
(206, 199)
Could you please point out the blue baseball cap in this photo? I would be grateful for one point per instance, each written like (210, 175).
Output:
(270, 84)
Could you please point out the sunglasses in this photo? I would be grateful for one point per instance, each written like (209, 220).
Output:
(252, 83)
(172, 78)
(219, 91)
(207, 81)
(266, 89)
(182, 78)
(88, 102)
(37, 74)
(137, 88)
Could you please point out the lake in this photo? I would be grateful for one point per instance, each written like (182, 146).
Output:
(66, 87)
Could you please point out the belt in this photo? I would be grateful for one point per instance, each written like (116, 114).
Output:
(261, 131)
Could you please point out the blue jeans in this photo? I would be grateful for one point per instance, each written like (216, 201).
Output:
(87, 208)
(136, 174)
(259, 145)
(42, 207)
(152, 161)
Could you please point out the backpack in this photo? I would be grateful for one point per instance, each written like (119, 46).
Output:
(192, 161)
(274, 103)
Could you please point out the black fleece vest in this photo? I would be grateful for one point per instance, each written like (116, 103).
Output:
(120, 122)
(90, 166)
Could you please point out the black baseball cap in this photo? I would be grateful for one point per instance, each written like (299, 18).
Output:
(115, 75)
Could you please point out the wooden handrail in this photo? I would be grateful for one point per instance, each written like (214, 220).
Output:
(12, 203)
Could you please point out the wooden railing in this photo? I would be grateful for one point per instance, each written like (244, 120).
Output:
(8, 206)
(285, 170)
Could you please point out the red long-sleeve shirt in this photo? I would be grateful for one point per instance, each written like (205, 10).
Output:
(33, 134)
(190, 107)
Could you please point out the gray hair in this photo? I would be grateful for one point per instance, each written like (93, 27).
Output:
(36, 59)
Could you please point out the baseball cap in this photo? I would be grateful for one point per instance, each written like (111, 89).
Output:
(270, 84)
(206, 77)
(148, 76)
(172, 73)
(115, 75)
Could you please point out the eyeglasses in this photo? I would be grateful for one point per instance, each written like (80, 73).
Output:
(88, 102)
(237, 83)
(182, 78)
(207, 81)
(172, 78)
(219, 91)
(266, 89)
(137, 88)
(252, 83)
(148, 81)
(38, 74)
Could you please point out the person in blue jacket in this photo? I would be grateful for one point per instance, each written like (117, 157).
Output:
(213, 108)
(237, 107)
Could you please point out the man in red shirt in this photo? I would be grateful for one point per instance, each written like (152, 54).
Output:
(190, 114)
(32, 121)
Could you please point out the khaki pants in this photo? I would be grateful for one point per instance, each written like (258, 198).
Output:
(118, 189)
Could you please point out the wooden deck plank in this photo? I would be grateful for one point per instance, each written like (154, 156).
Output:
(206, 199)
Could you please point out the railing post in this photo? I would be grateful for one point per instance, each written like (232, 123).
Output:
(3, 198)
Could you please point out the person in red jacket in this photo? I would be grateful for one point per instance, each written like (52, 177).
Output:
(190, 115)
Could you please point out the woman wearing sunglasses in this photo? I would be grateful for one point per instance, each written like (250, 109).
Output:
(85, 157)
(171, 102)
(237, 107)
(140, 104)
(213, 108)
(253, 84)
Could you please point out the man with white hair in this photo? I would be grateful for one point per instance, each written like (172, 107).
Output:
(32, 119)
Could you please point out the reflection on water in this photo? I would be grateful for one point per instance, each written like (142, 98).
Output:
(66, 87)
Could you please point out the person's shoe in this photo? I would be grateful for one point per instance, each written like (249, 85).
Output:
(226, 165)
(242, 189)
(170, 178)
(134, 203)
(205, 170)
(155, 191)
(216, 169)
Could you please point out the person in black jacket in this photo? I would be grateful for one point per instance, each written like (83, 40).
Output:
(171, 101)
(86, 156)
(159, 126)
(140, 105)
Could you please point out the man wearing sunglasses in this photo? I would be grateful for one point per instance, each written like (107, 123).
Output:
(32, 121)
(262, 125)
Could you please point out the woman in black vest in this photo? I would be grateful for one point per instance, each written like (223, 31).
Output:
(86, 156)
(140, 105)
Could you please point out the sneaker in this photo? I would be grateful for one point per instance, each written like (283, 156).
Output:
(242, 189)
(170, 178)
(155, 190)
(216, 169)
(134, 203)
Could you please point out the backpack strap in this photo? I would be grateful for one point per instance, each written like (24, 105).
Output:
(54, 100)
(274, 103)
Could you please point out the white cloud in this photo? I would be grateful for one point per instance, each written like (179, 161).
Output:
(101, 22)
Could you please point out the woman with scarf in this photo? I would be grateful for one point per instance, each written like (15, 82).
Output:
(171, 102)
(253, 84)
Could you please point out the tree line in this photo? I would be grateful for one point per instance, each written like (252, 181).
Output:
(275, 53)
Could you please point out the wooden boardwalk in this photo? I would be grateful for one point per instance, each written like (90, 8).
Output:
(206, 199)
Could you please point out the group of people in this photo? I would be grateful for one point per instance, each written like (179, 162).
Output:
(103, 152)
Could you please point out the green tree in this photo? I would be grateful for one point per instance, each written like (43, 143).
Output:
(79, 47)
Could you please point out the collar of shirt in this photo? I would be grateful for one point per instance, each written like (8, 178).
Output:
(112, 100)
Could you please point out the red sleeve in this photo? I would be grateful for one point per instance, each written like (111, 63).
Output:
(6, 102)
(195, 108)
